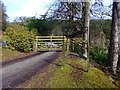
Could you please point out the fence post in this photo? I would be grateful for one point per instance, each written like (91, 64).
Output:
(64, 43)
(36, 46)
(51, 42)
(63, 53)
(73, 45)
(68, 42)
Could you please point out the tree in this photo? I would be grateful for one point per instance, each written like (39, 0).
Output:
(67, 13)
(43, 26)
(0, 16)
(113, 48)
(99, 11)
(86, 22)
(119, 33)
(4, 15)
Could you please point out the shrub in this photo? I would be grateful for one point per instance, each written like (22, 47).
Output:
(19, 37)
(77, 49)
(99, 54)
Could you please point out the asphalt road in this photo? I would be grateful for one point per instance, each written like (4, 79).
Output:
(18, 72)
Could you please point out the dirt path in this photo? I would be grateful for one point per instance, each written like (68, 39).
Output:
(18, 72)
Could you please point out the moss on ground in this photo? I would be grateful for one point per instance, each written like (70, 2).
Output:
(69, 73)
(73, 75)
(62, 78)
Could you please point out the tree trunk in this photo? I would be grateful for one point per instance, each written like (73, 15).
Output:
(119, 24)
(113, 48)
(119, 33)
(86, 21)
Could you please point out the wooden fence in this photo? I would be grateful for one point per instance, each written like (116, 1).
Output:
(50, 43)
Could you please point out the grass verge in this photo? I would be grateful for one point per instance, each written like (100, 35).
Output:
(41, 78)
(8, 55)
(69, 73)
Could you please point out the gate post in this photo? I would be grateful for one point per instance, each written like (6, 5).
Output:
(36, 46)
(51, 42)
(68, 42)
(64, 43)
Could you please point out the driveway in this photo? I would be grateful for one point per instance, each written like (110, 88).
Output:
(18, 72)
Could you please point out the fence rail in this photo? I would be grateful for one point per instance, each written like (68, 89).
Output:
(49, 43)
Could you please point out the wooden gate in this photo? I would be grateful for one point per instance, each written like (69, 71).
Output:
(50, 43)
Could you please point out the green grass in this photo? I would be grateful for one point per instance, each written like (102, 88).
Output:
(73, 75)
(70, 74)
(62, 78)
(42, 77)
(8, 54)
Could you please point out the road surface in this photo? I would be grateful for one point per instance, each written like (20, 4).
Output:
(18, 72)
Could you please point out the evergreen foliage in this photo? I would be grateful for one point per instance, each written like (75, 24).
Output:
(20, 38)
